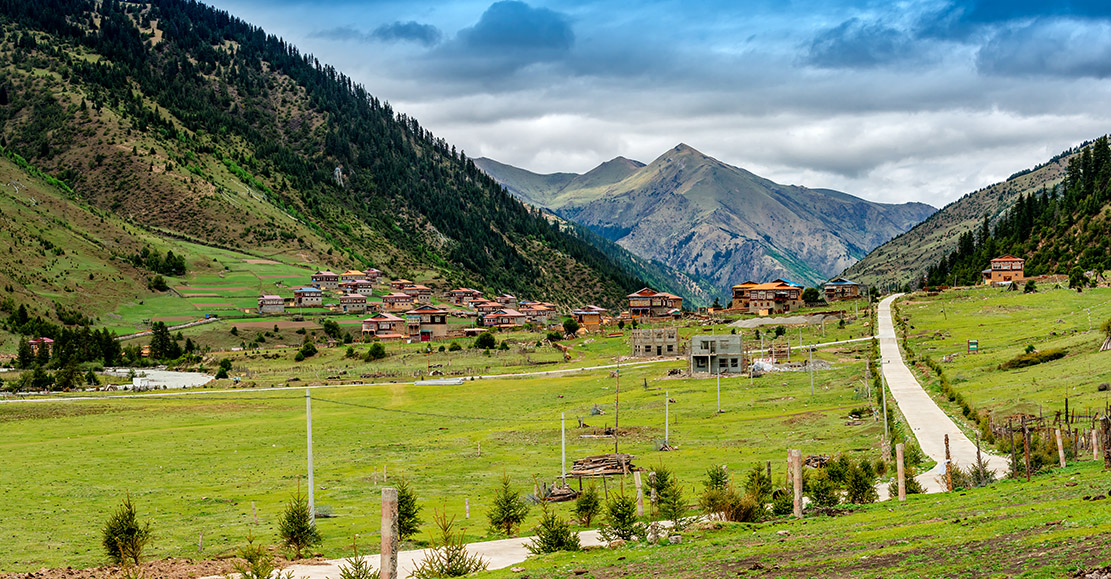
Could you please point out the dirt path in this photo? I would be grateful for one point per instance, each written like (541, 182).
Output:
(928, 422)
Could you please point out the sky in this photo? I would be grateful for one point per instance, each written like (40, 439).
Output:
(890, 101)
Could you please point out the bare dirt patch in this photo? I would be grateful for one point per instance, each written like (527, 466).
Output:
(262, 262)
(163, 569)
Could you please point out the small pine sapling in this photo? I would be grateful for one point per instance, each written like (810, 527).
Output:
(509, 508)
(123, 537)
(408, 511)
(296, 526)
(552, 534)
(587, 505)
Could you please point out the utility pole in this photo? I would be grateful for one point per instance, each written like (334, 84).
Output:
(308, 420)
(667, 416)
(616, 405)
(713, 334)
(812, 370)
(884, 393)
(563, 446)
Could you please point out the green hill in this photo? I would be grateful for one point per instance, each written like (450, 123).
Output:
(180, 119)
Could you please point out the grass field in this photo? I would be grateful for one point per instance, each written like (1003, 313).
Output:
(196, 463)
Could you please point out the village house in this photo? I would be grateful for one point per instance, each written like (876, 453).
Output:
(840, 288)
(352, 275)
(38, 343)
(1004, 269)
(352, 303)
(325, 280)
(308, 297)
(397, 302)
(460, 296)
(357, 286)
(504, 318)
(740, 295)
(537, 313)
(589, 317)
(717, 354)
(775, 297)
(486, 307)
(421, 294)
(373, 275)
(649, 304)
(655, 342)
(427, 323)
(399, 284)
(384, 326)
(271, 304)
(507, 301)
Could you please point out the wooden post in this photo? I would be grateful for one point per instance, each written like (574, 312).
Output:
(1095, 446)
(652, 487)
(769, 470)
(254, 512)
(383, 474)
(200, 543)
(640, 494)
(948, 466)
(480, 448)
(467, 507)
(1026, 447)
(1014, 452)
(796, 456)
(1060, 448)
(1105, 425)
(901, 472)
(390, 538)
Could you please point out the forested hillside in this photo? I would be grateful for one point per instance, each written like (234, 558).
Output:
(183, 119)
(1061, 229)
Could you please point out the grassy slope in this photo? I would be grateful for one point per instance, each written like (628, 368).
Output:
(906, 257)
(218, 453)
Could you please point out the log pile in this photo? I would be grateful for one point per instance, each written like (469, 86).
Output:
(603, 465)
(561, 493)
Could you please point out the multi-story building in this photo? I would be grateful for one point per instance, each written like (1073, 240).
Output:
(717, 354)
(655, 342)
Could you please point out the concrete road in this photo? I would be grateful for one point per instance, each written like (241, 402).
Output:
(926, 419)
(499, 554)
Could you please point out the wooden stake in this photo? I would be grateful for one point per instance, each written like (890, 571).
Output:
(796, 456)
(390, 538)
(640, 494)
(467, 507)
(1060, 448)
(901, 472)
(948, 466)
(200, 543)
(254, 512)
(1095, 446)
(1014, 452)
(1105, 425)
(1026, 447)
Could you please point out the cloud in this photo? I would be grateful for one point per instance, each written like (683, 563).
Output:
(857, 44)
(510, 25)
(410, 31)
(1056, 48)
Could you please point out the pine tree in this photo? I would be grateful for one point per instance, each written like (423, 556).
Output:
(408, 511)
(296, 526)
(509, 508)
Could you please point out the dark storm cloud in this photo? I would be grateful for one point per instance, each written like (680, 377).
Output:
(857, 44)
(512, 26)
(411, 31)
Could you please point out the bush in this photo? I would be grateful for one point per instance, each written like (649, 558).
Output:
(356, 567)
(730, 505)
(570, 326)
(448, 556)
(308, 350)
(552, 534)
(1032, 358)
(485, 341)
(454, 347)
(621, 519)
(509, 508)
(671, 504)
(717, 477)
(376, 352)
(554, 336)
(587, 505)
(350, 353)
(299, 356)
(123, 537)
(821, 489)
(257, 563)
(296, 527)
(158, 284)
(783, 502)
(408, 511)
(860, 486)
(658, 480)
(504, 345)
(913, 486)
(1030, 287)
(758, 485)
(222, 374)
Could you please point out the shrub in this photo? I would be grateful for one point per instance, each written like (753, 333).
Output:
(821, 489)
(1030, 287)
(671, 504)
(509, 508)
(504, 345)
(308, 350)
(730, 505)
(860, 486)
(621, 519)
(758, 485)
(123, 537)
(1032, 358)
(350, 353)
(376, 352)
(838, 469)
(485, 341)
(552, 534)
(570, 326)
(299, 356)
(448, 557)
(554, 336)
(408, 511)
(783, 502)
(717, 477)
(356, 567)
(442, 348)
(658, 480)
(296, 527)
(257, 563)
(222, 374)
(454, 347)
(587, 505)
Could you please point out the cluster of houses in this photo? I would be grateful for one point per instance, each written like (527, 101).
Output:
(781, 296)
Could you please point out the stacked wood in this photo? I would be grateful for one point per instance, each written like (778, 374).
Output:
(816, 461)
(560, 493)
(603, 465)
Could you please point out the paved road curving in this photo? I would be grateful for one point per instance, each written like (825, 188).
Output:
(928, 422)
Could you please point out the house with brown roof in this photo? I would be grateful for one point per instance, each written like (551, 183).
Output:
(1004, 269)
(352, 303)
(840, 288)
(373, 275)
(648, 303)
(486, 307)
(460, 296)
(397, 302)
(427, 323)
(537, 313)
(271, 304)
(504, 318)
(775, 297)
(384, 326)
(740, 295)
(325, 280)
(421, 294)
(308, 297)
(352, 275)
(507, 301)
(399, 284)
(589, 317)
(38, 343)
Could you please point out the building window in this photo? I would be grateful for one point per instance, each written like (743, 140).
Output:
(670, 348)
